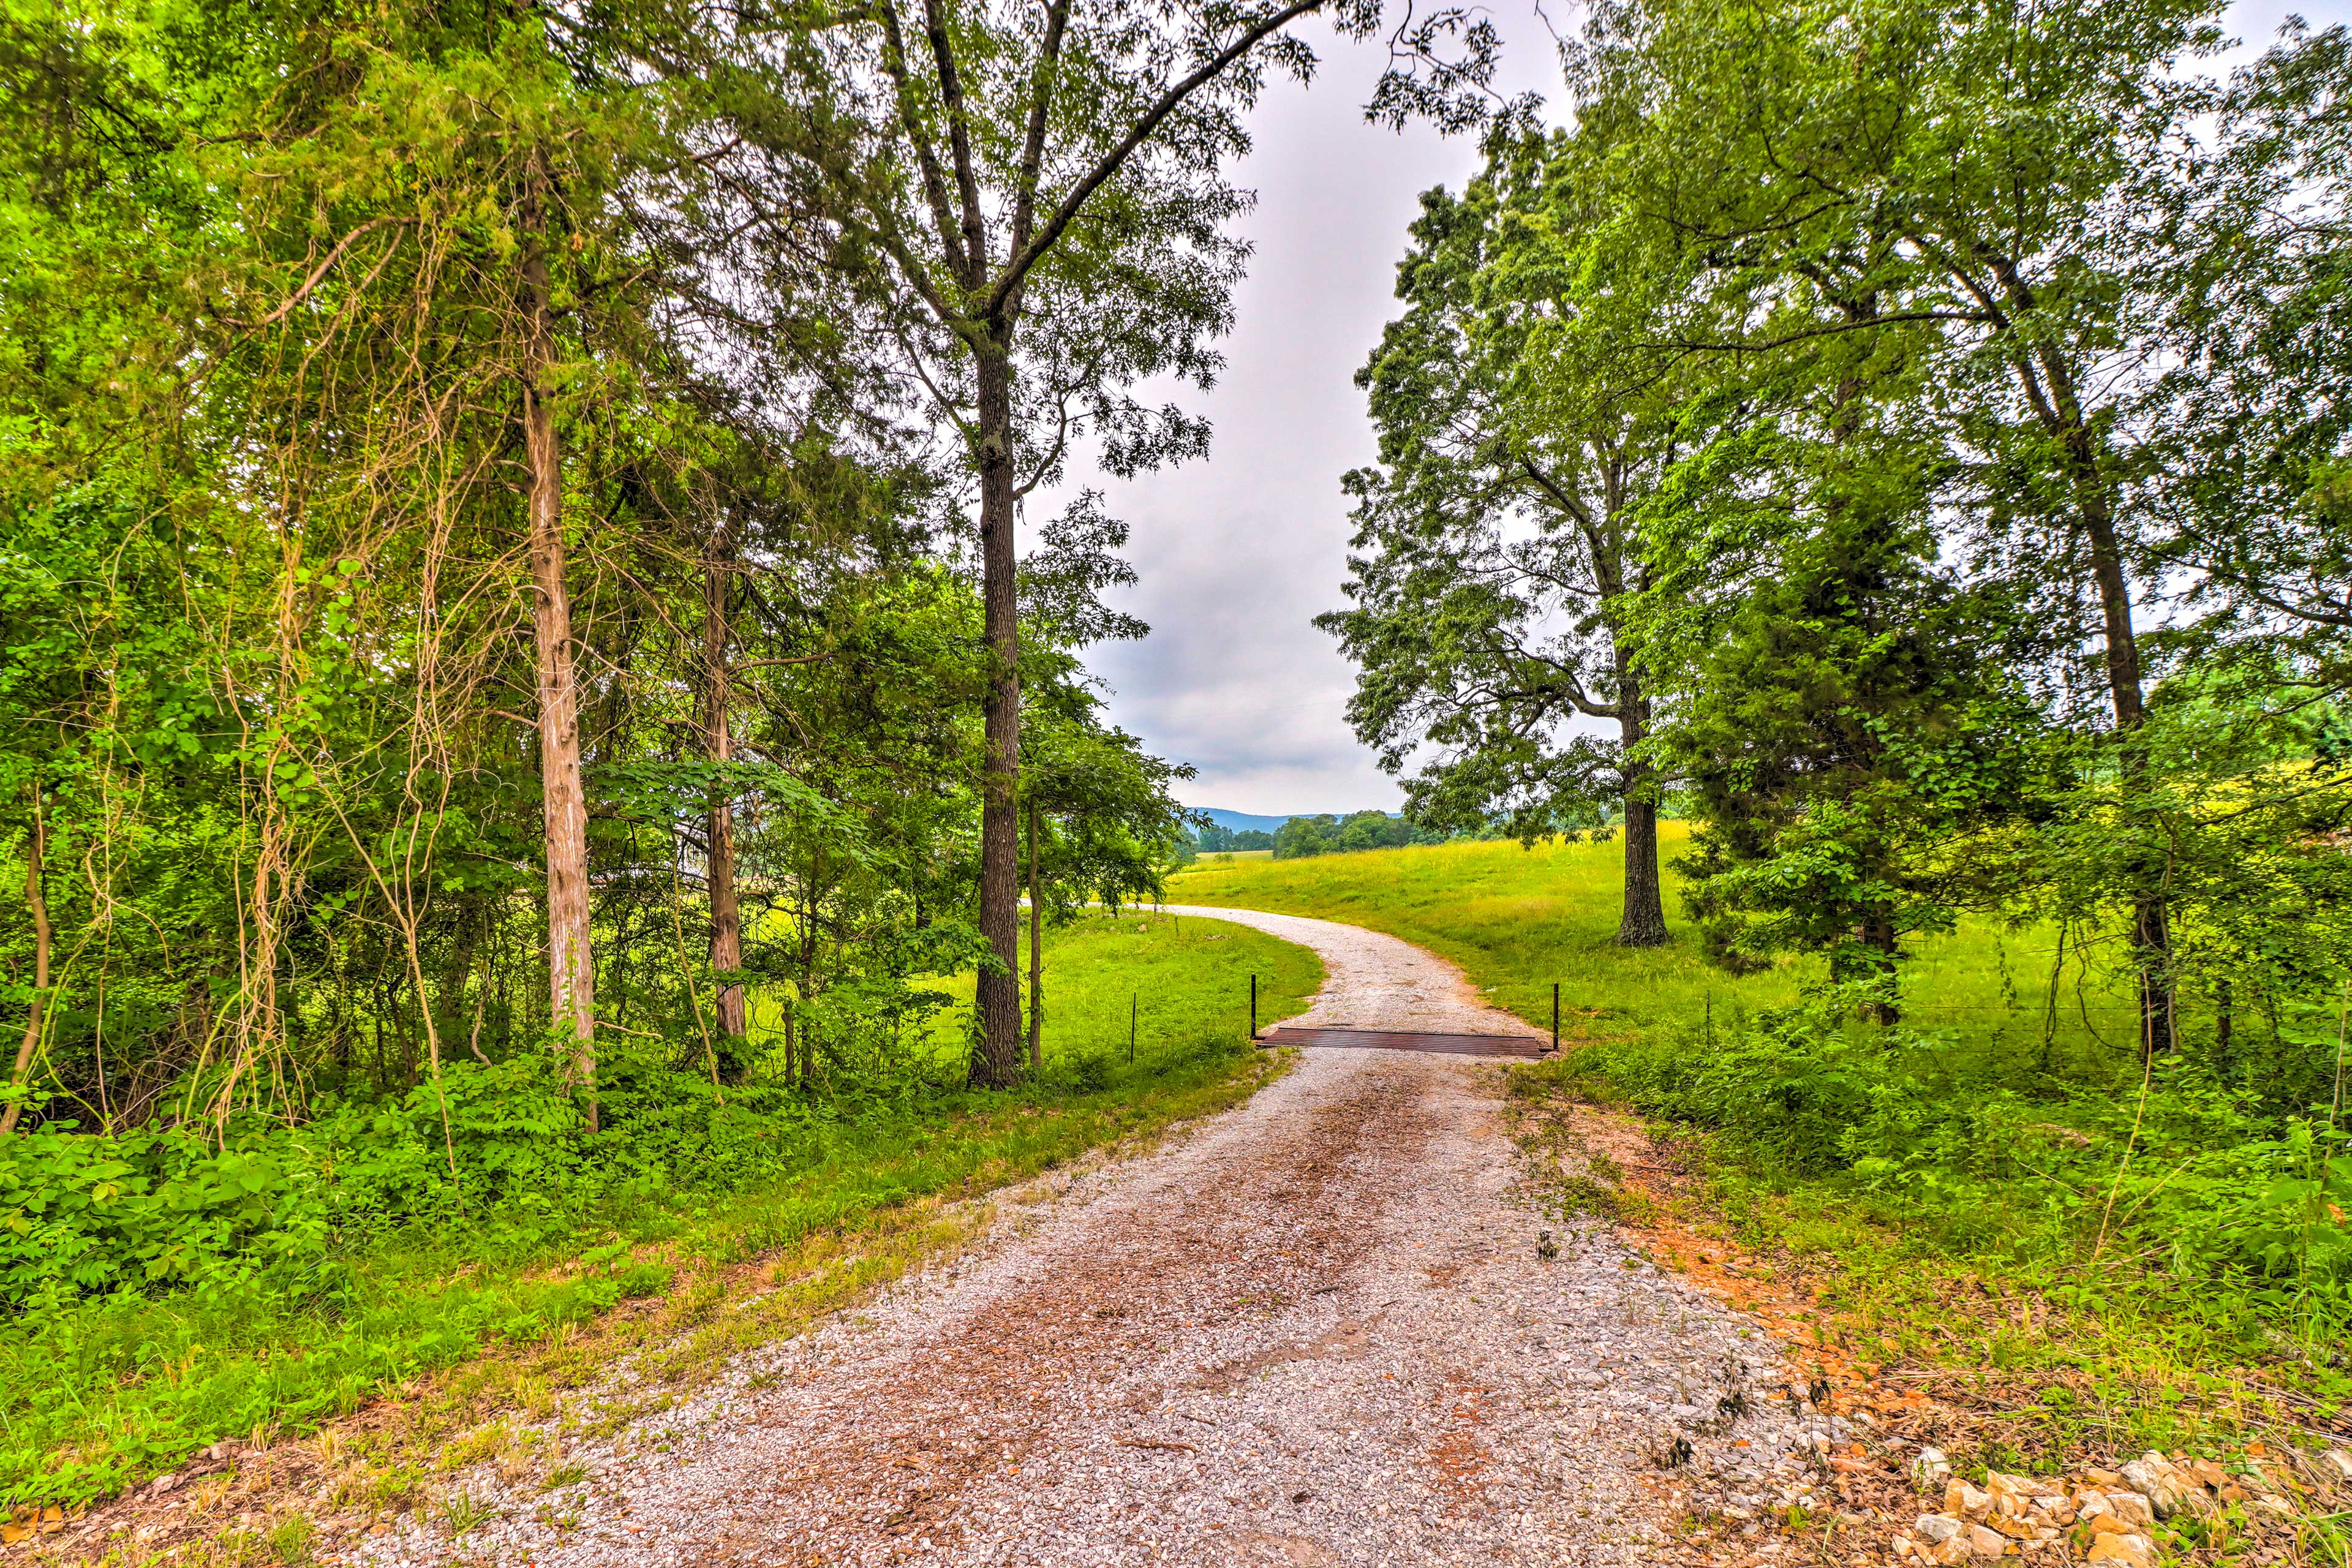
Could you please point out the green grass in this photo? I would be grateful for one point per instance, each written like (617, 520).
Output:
(1175, 973)
(1971, 1252)
(1519, 920)
(105, 1393)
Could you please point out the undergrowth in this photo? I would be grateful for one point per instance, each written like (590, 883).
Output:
(2124, 1270)
(168, 1289)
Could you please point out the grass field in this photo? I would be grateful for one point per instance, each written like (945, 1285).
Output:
(1994, 1195)
(1519, 921)
(1229, 856)
(96, 1395)
(1174, 978)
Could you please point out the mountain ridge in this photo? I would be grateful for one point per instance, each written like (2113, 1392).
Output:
(1235, 821)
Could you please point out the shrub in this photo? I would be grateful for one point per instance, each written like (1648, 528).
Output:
(256, 1202)
(1935, 1136)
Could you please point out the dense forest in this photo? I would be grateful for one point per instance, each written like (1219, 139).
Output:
(1214, 839)
(1323, 834)
(1329, 835)
(518, 666)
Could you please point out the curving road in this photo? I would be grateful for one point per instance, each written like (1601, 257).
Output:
(1313, 1330)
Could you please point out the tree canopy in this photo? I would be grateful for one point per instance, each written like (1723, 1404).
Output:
(1919, 428)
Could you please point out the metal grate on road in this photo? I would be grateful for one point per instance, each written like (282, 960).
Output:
(1390, 1040)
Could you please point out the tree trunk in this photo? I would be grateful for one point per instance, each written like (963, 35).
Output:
(36, 901)
(997, 989)
(1643, 923)
(1036, 953)
(571, 977)
(2151, 919)
(1879, 940)
(726, 913)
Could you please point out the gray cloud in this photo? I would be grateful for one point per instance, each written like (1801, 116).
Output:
(1239, 552)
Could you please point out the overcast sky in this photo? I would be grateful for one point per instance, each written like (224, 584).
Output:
(1237, 554)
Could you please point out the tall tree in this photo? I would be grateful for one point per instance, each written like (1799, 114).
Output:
(1990, 172)
(1844, 705)
(1026, 205)
(571, 966)
(1499, 548)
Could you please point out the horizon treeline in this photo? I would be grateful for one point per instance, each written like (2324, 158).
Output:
(1323, 834)
(1917, 435)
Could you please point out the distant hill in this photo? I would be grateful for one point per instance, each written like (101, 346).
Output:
(1238, 820)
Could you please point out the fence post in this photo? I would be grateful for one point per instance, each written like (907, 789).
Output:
(1132, 1001)
(1555, 1016)
(1253, 1006)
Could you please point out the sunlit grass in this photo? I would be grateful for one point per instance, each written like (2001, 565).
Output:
(1519, 921)
(1968, 1271)
(1173, 978)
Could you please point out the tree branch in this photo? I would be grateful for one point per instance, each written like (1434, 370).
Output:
(1045, 463)
(1033, 147)
(1569, 501)
(319, 273)
(975, 227)
(1017, 269)
(934, 182)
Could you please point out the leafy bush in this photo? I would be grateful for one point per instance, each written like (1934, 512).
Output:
(1938, 1137)
(82, 1214)
(255, 1202)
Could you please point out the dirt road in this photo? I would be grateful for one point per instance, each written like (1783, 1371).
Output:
(1315, 1331)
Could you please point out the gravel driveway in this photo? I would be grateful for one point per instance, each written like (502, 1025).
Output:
(1315, 1330)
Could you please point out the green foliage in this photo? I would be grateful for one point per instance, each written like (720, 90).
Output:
(1933, 1135)
(2181, 1224)
(267, 623)
(309, 1269)
(254, 1204)
(1499, 539)
(1329, 835)
(1108, 825)
(1851, 385)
